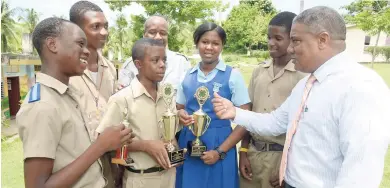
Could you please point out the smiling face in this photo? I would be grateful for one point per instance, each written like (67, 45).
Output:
(210, 46)
(278, 41)
(95, 26)
(72, 50)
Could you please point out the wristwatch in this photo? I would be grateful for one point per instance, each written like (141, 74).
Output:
(222, 155)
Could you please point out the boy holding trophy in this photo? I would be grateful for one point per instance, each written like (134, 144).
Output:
(148, 110)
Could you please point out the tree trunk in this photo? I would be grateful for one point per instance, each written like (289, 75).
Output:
(374, 52)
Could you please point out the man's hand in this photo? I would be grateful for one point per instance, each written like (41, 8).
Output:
(274, 181)
(115, 137)
(245, 166)
(210, 157)
(157, 149)
(223, 107)
(185, 119)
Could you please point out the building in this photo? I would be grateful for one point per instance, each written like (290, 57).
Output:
(358, 40)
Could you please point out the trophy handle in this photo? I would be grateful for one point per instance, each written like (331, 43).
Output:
(207, 124)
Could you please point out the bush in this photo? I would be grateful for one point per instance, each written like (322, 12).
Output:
(261, 54)
(385, 51)
(228, 59)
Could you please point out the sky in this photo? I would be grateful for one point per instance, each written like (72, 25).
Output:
(61, 7)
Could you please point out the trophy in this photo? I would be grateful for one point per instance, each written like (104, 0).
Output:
(121, 156)
(170, 122)
(201, 122)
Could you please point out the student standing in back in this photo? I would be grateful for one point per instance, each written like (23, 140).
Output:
(142, 104)
(58, 151)
(98, 81)
(270, 85)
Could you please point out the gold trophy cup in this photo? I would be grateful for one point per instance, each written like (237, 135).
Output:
(121, 156)
(170, 125)
(201, 122)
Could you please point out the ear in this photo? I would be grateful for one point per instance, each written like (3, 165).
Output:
(138, 64)
(51, 44)
(323, 40)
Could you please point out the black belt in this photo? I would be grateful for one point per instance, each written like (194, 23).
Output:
(265, 146)
(149, 170)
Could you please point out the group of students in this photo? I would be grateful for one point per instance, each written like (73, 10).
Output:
(70, 122)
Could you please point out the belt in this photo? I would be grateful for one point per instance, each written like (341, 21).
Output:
(265, 146)
(149, 170)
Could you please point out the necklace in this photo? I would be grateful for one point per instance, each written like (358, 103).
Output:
(95, 98)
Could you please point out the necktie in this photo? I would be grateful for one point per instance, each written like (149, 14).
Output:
(291, 132)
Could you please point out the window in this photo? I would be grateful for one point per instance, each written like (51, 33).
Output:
(367, 40)
(12, 69)
(37, 68)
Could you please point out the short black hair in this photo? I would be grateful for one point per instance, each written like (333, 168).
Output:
(80, 8)
(209, 26)
(139, 47)
(283, 19)
(49, 27)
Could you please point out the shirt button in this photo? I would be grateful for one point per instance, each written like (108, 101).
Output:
(269, 95)
(265, 109)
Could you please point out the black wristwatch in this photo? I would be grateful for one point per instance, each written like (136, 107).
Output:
(222, 155)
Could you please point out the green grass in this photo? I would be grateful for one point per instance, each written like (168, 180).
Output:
(12, 164)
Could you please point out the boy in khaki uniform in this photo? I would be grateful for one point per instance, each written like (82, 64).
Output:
(269, 87)
(99, 79)
(144, 105)
(58, 151)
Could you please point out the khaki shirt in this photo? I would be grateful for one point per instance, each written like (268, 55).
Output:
(144, 116)
(53, 127)
(267, 92)
(94, 100)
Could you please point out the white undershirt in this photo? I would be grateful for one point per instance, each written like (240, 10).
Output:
(94, 76)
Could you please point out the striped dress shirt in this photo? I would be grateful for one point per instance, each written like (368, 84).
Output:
(343, 133)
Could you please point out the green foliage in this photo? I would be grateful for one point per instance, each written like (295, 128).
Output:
(371, 50)
(119, 39)
(247, 26)
(385, 51)
(370, 16)
(264, 6)
(182, 16)
(10, 29)
(30, 19)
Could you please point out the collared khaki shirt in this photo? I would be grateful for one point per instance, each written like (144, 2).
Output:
(144, 115)
(96, 94)
(53, 127)
(267, 92)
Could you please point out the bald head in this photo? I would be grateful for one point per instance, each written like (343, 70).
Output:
(155, 20)
(323, 19)
(156, 27)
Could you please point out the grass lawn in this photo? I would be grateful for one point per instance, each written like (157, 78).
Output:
(12, 159)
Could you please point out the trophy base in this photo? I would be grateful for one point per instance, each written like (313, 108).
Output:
(197, 151)
(176, 156)
(122, 162)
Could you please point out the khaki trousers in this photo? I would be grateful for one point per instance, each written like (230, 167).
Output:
(264, 165)
(163, 179)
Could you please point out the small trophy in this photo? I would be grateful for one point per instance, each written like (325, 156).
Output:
(202, 122)
(121, 156)
(170, 125)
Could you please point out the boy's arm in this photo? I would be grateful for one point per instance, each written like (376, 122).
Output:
(41, 131)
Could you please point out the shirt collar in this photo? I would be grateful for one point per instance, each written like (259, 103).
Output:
(139, 89)
(51, 82)
(102, 61)
(220, 66)
(290, 65)
(333, 65)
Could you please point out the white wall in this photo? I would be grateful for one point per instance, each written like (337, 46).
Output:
(355, 44)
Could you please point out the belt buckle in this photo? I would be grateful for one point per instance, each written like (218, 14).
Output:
(142, 172)
(266, 146)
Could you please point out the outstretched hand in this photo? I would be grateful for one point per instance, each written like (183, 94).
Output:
(223, 107)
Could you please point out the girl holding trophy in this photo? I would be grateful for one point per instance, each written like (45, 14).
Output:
(207, 164)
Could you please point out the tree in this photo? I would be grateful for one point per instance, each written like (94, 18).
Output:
(370, 16)
(9, 27)
(246, 26)
(264, 6)
(119, 39)
(30, 19)
(179, 13)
